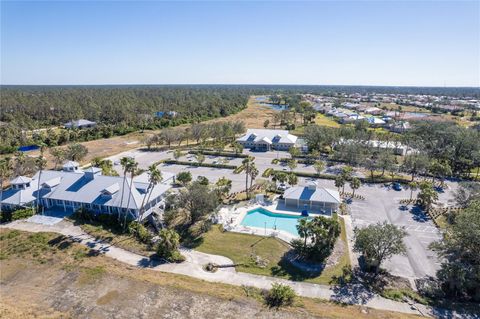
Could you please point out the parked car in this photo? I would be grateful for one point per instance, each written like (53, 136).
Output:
(397, 186)
(282, 187)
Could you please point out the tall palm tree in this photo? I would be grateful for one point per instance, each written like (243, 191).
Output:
(253, 173)
(246, 163)
(5, 172)
(124, 161)
(303, 228)
(20, 161)
(355, 184)
(413, 187)
(154, 177)
(40, 163)
(131, 168)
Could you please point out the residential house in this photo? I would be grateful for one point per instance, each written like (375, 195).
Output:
(82, 123)
(375, 121)
(73, 188)
(266, 140)
(400, 127)
(167, 114)
(373, 110)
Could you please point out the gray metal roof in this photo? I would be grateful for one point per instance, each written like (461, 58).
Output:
(77, 187)
(20, 180)
(79, 123)
(316, 194)
(266, 135)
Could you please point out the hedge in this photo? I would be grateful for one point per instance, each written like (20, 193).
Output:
(8, 216)
(378, 180)
(215, 153)
(200, 164)
(267, 172)
(238, 169)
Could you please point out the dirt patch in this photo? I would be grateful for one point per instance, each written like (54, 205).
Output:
(108, 297)
(50, 279)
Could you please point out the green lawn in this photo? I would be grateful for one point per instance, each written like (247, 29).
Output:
(241, 247)
(324, 120)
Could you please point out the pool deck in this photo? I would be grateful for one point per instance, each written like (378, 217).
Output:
(231, 218)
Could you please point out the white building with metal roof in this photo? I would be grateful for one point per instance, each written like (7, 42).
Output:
(70, 190)
(266, 140)
(82, 123)
(312, 198)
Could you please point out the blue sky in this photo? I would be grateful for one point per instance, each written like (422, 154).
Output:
(247, 42)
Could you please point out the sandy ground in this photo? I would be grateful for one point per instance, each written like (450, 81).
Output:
(62, 279)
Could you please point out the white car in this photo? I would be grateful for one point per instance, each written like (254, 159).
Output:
(282, 187)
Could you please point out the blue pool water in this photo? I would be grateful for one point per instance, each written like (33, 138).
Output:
(259, 217)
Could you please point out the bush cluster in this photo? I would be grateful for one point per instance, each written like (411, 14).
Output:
(8, 216)
(280, 295)
(216, 153)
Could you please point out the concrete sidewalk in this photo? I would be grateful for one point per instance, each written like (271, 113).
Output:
(193, 267)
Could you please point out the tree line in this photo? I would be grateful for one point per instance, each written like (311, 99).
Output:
(438, 149)
(117, 110)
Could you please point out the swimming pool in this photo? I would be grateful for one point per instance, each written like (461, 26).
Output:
(261, 218)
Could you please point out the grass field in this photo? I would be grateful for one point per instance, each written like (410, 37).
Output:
(38, 268)
(323, 120)
(242, 247)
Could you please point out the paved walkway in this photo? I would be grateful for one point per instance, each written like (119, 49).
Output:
(193, 267)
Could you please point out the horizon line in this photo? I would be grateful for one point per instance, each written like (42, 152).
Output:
(244, 84)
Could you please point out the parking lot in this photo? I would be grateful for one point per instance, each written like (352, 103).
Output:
(381, 204)
(145, 159)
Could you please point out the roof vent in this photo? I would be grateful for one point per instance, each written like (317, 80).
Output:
(91, 172)
(71, 166)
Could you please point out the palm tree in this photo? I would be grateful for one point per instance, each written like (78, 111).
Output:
(131, 168)
(340, 183)
(246, 163)
(292, 179)
(58, 155)
(20, 161)
(253, 173)
(154, 177)
(5, 172)
(427, 195)
(319, 167)
(355, 184)
(413, 187)
(303, 229)
(124, 161)
(40, 163)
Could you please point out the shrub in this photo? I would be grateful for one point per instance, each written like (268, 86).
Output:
(280, 295)
(168, 244)
(239, 169)
(268, 172)
(140, 232)
(8, 216)
(184, 178)
(23, 213)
